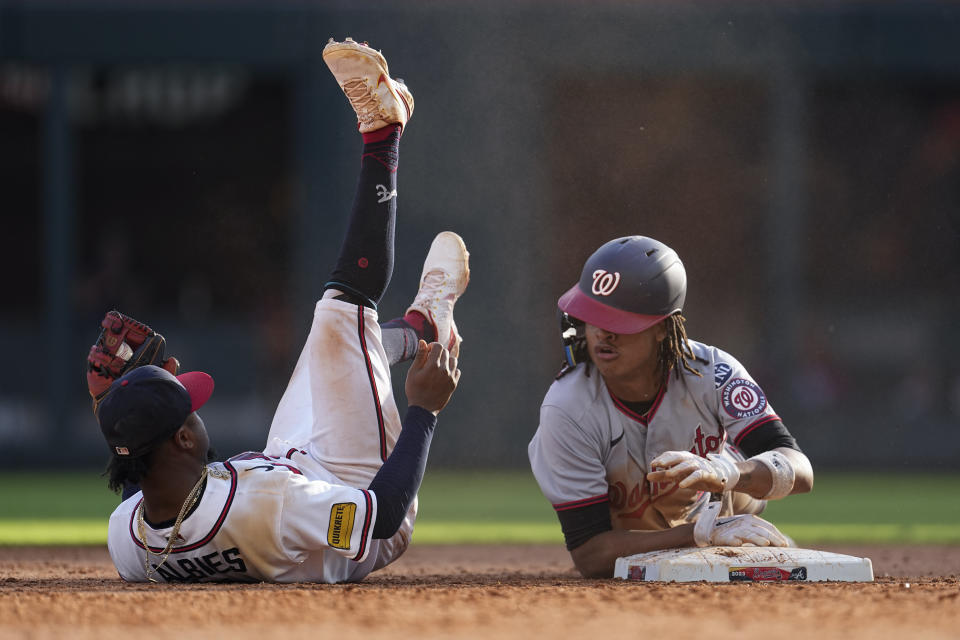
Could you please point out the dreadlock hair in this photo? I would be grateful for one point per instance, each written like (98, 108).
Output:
(122, 471)
(675, 350)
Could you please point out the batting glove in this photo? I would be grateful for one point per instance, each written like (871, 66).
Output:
(735, 531)
(714, 473)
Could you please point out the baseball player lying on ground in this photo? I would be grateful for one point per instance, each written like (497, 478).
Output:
(643, 429)
(332, 496)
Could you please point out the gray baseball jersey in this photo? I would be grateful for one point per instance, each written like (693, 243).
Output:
(590, 447)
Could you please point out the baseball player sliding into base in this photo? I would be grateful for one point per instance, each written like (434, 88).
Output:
(332, 496)
(648, 440)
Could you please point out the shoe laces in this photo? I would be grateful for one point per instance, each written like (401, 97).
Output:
(365, 102)
(431, 289)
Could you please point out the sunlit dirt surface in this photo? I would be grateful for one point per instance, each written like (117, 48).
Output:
(480, 592)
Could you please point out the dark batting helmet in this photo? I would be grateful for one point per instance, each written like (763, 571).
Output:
(626, 286)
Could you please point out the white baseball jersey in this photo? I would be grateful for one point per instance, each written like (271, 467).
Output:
(590, 447)
(299, 511)
(260, 519)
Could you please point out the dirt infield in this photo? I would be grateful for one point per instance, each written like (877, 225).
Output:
(479, 592)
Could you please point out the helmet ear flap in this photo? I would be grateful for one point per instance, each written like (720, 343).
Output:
(574, 340)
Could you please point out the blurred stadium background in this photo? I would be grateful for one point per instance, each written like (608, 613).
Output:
(191, 164)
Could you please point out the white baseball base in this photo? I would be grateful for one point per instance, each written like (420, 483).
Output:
(743, 564)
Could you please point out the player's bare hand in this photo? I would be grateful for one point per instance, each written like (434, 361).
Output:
(432, 377)
(713, 473)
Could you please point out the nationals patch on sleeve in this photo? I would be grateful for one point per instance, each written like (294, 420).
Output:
(341, 524)
(743, 399)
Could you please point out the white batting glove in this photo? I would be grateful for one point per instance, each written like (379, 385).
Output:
(714, 473)
(735, 531)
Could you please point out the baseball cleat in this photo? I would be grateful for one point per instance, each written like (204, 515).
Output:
(446, 272)
(362, 73)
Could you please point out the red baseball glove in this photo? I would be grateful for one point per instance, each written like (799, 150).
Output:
(123, 344)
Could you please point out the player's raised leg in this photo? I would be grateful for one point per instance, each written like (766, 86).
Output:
(339, 404)
(383, 107)
(446, 272)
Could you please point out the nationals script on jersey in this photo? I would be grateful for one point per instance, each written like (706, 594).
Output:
(259, 519)
(590, 447)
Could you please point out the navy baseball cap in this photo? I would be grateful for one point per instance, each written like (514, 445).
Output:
(147, 405)
(628, 285)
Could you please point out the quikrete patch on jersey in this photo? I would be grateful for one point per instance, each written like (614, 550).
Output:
(341, 524)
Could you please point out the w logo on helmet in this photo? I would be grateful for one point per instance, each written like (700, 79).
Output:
(604, 282)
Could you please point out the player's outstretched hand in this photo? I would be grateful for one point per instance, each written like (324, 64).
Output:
(432, 377)
(735, 531)
(713, 473)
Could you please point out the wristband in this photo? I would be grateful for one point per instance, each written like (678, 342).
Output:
(781, 471)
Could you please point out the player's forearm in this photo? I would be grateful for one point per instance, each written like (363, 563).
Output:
(757, 480)
(803, 482)
(398, 480)
(596, 557)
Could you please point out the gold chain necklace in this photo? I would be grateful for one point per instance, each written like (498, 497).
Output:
(191, 500)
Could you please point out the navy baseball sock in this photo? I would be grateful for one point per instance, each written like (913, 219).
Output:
(365, 264)
(399, 342)
(400, 336)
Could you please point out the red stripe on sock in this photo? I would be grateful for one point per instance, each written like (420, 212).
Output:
(421, 325)
(380, 134)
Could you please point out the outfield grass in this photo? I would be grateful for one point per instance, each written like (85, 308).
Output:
(879, 508)
(501, 507)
